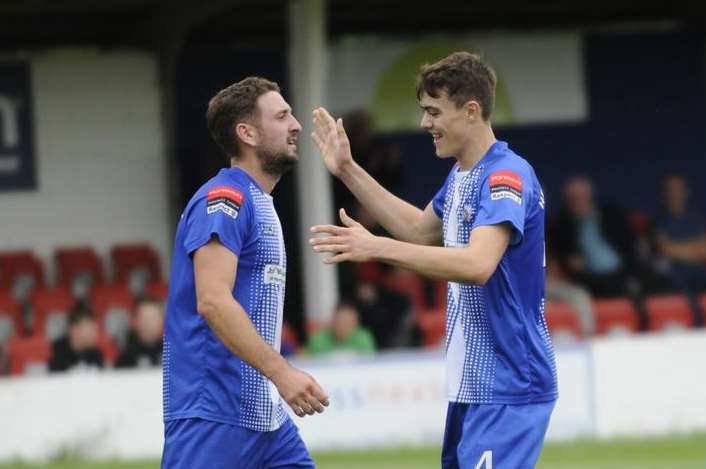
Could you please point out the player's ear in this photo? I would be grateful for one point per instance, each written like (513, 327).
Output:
(472, 110)
(246, 133)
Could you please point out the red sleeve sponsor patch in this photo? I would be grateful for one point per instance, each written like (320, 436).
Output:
(506, 178)
(224, 199)
(506, 185)
(226, 192)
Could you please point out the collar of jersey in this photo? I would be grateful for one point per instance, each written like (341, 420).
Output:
(496, 148)
(233, 173)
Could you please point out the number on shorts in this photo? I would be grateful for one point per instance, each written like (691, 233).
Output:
(486, 460)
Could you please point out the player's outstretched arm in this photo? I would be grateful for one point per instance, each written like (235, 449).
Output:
(474, 263)
(215, 272)
(403, 220)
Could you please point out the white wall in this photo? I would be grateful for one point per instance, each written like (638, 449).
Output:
(99, 148)
(620, 387)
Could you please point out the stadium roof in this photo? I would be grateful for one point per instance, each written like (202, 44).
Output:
(154, 23)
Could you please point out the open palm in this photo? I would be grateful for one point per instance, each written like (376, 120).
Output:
(330, 136)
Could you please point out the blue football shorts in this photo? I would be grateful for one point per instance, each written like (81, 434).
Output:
(494, 436)
(203, 444)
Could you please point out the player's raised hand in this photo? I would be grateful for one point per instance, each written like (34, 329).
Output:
(350, 242)
(300, 391)
(331, 139)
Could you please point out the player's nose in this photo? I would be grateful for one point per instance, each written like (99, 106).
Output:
(296, 127)
(425, 123)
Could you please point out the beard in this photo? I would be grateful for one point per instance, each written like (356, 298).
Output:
(276, 162)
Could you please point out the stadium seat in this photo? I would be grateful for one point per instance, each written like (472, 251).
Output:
(562, 320)
(702, 304)
(615, 315)
(10, 318)
(368, 271)
(109, 349)
(113, 306)
(440, 293)
(407, 283)
(28, 355)
(20, 273)
(136, 265)
(668, 312)
(432, 323)
(157, 290)
(640, 223)
(80, 268)
(50, 312)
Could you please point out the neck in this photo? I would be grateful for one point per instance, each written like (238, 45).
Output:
(477, 146)
(251, 165)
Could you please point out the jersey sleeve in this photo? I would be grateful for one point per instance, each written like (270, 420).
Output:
(437, 203)
(225, 212)
(504, 197)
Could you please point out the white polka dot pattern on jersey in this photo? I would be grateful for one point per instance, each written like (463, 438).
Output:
(547, 339)
(472, 363)
(166, 373)
(261, 408)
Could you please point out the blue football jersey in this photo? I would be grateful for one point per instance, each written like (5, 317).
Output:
(498, 349)
(202, 378)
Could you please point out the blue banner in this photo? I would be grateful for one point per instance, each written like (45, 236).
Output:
(17, 163)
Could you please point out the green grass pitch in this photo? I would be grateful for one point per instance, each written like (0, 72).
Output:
(683, 452)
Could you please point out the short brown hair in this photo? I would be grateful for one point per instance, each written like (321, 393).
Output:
(463, 76)
(232, 105)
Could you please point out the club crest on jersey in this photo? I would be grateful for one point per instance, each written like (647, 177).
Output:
(468, 212)
(506, 185)
(224, 199)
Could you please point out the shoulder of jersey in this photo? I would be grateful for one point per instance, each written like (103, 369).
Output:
(512, 162)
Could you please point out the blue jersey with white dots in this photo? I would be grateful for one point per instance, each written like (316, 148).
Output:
(498, 349)
(202, 378)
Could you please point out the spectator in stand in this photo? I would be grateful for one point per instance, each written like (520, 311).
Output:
(593, 241)
(386, 313)
(345, 335)
(559, 289)
(144, 344)
(595, 245)
(679, 237)
(79, 348)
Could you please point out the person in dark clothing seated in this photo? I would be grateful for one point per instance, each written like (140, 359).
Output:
(679, 237)
(79, 348)
(596, 246)
(593, 241)
(144, 344)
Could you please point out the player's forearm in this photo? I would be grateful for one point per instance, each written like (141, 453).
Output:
(398, 217)
(443, 263)
(229, 321)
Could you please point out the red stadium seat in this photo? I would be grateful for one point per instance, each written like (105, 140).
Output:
(368, 271)
(615, 315)
(108, 348)
(113, 305)
(440, 293)
(50, 312)
(432, 323)
(562, 320)
(136, 265)
(668, 311)
(157, 290)
(407, 283)
(80, 268)
(640, 223)
(10, 318)
(20, 273)
(27, 354)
